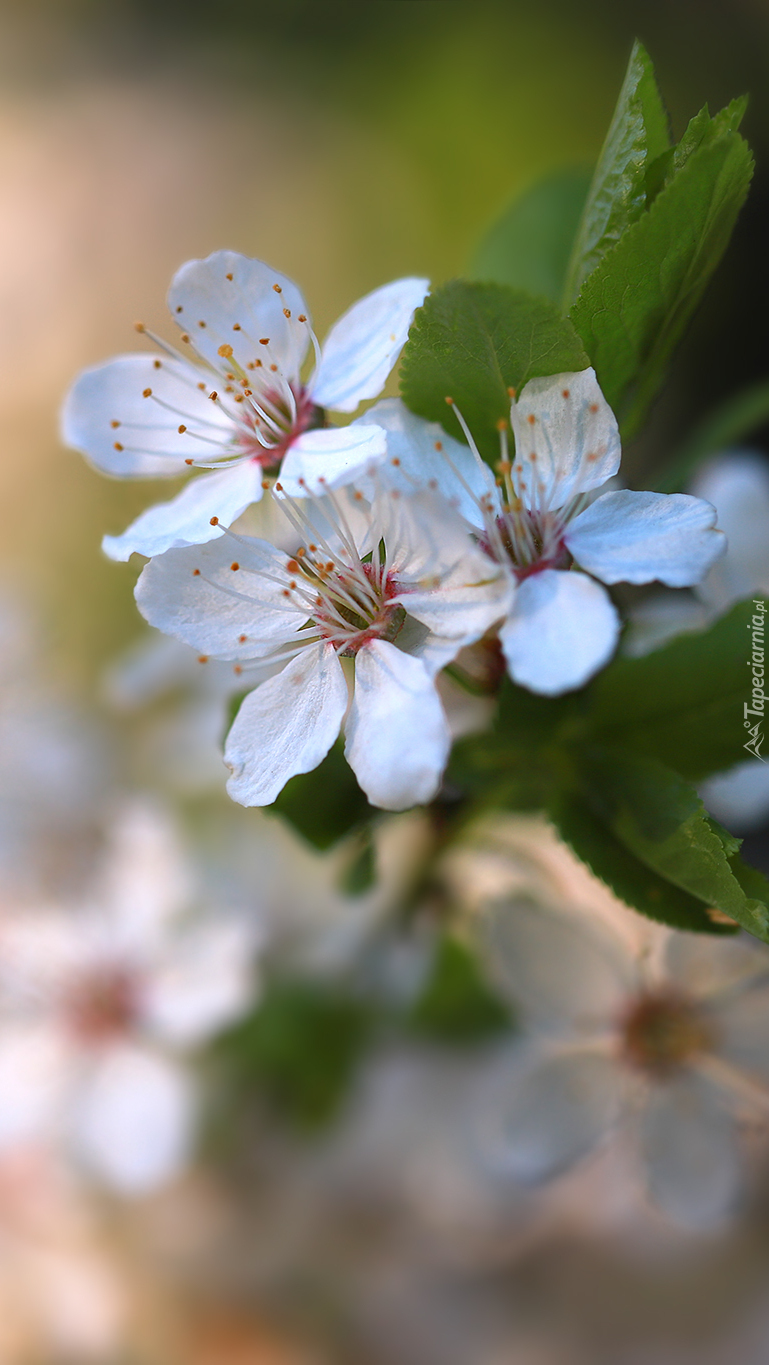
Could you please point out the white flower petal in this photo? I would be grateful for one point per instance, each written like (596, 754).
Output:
(362, 347)
(145, 442)
(628, 537)
(331, 456)
(427, 458)
(133, 1122)
(743, 1027)
(204, 981)
(737, 483)
(706, 967)
(739, 798)
(35, 1073)
(552, 1113)
(286, 726)
(562, 973)
(563, 627)
(201, 292)
(573, 436)
(689, 1144)
(186, 519)
(660, 618)
(147, 878)
(211, 609)
(397, 734)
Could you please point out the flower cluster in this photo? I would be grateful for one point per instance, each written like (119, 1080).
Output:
(390, 545)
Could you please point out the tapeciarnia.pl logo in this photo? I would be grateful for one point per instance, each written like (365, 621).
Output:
(755, 707)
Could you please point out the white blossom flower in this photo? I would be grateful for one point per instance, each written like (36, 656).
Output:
(99, 1003)
(397, 585)
(667, 1044)
(239, 407)
(556, 542)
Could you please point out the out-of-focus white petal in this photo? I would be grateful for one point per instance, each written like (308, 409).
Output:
(549, 1113)
(737, 483)
(705, 967)
(204, 981)
(211, 609)
(628, 537)
(689, 1143)
(743, 1030)
(186, 519)
(739, 798)
(35, 1072)
(362, 347)
(286, 726)
(147, 878)
(420, 456)
(236, 298)
(565, 422)
(397, 734)
(659, 618)
(331, 457)
(132, 1120)
(562, 973)
(107, 417)
(562, 629)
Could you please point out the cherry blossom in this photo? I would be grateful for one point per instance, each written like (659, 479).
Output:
(237, 405)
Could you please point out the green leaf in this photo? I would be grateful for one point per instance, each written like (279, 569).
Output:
(726, 425)
(661, 820)
(327, 803)
(530, 245)
(632, 881)
(300, 1048)
(634, 307)
(457, 1005)
(682, 704)
(360, 873)
(475, 343)
(637, 137)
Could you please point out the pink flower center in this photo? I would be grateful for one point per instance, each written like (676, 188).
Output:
(102, 1005)
(662, 1031)
(266, 436)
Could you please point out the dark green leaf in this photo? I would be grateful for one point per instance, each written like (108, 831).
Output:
(634, 307)
(637, 137)
(475, 343)
(632, 881)
(457, 1005)
(300, 1048)
(325, 804)
(530, 245)
(727, 425)
(360, 873)
(682, 704)
(661, 820)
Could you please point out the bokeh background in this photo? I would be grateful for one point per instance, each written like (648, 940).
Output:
(346, 143)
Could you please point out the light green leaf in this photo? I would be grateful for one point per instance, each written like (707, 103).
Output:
(632, 881)
(457, 1005)
(681, 704)
(475, 343)
(530, 245)
(634, 307)
(637, 137)
(661, 820)
(325, 804)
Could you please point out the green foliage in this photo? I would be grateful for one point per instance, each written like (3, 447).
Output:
(636, 303)
(360, 873)
(299, 1048)
(727, 425)
(661, 820)
(638, 138)
(681, 704)
(475, 343)
(612, 764)
(529, 247)
(457, 1005)
(633, 881)
(326, 804)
